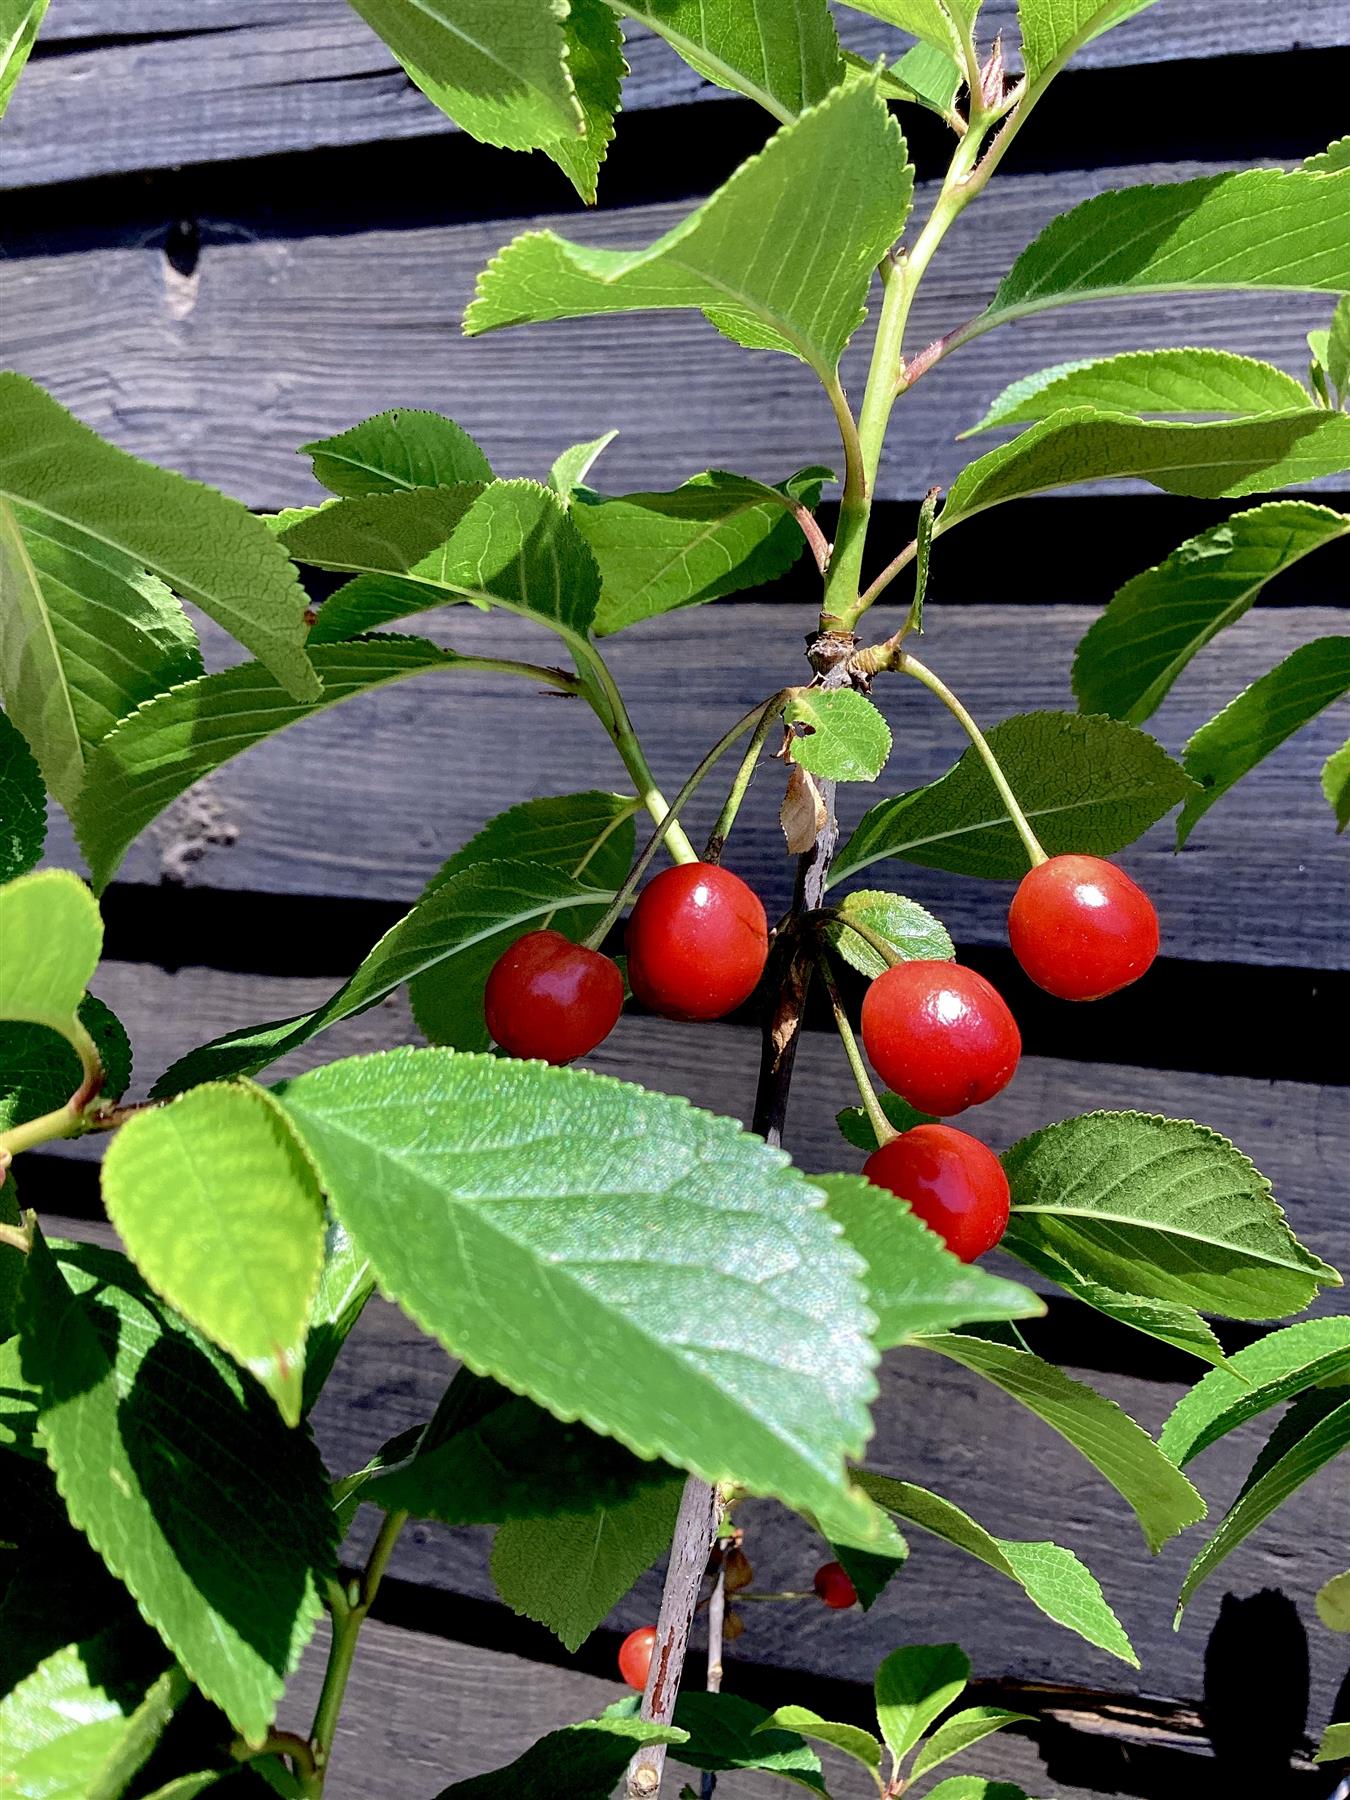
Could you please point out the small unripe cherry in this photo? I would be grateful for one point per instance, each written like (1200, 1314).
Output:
(940, 1035)
(833, 1586)
(952, 1181)
(697, 942)
(1081, 928)
(635, 1656)
(550, 998)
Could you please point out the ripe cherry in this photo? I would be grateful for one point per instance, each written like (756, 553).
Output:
(940, 1035)
(953, 1183)
(551, 998)
(834, 1587)
(1081, 928)
(697, 942)
(635, 1656)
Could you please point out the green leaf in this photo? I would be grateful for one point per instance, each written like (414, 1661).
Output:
(911, 931)
(872, 1571)
(841, 736)
(979, 1787)
(1088, 785)
(923, 556)
(498, 68)
(1338, 349)
(914, 1283)
(553, 1193)
(1215, 461)
(582, 1761)
(1129, 658)
(1315, 1430)
(69, 1722)
(1259, 720)
(162, 749)
(856, 1127)
(23, 804)
(219, 1208)
(20, 22)
(1256, 229)
(182, 1476)
(1327, 162)
(207, 548)
(941, 24)
(961, 1731)
(390, 533)
(457, 930)
(596, 64)
(1159, 1495)
(1333, 1602)
(727, 1732)
(1052, 30)
(1335, 1744)
(851, 1740)
(53, 937)
(742, 258)
(1161, 1208)
(924, 75)
(589, 834)
(144, 1729)
(784, 57)
(1336, 784)
(1184, 381)
(393, 451)
(39, 1068)
(568, 1571)
(913, 1686)
(1052, 1578)
(1276, 1368)
(715, 534)
(571, 469)
(345, 1284)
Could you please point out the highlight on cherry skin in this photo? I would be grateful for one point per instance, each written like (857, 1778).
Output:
(635, 1656)
(939, 1035)
(550, 998)
(833, 1586)
(952, 1181)
(1081, 928)
(698, 940)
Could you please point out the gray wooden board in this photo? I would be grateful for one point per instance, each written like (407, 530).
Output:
(271, 342)
(255, 77)
(368, 799)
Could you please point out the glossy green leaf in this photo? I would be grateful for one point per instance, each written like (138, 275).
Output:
(69, 1722)
(182, 1476)
(582, 1761)
(942, 24)
(1161, 1208)
(1088, 785)
(872, 1571)
(490, 1194)
(838, 734)
(1333, 1602)
(588, 835)
(979, 1787)
(850, 1740)
(1259, 720)
(842, 164)
(39, 1068)
(924, 75)
(856, 1127)
(1181, 382)
(1336, 784)
(715, 534)
(914, 1686)
(1338, 349)
(567, 1572)
(1223, 460)
(20, 22)
(23, 804)
(1159, 1495)
(118, 510)
(1129, 658)
(220, 1209)
(595, 61)
(1052, 1578)
(1314, 1431)
(727, 1732)
(161, 750)
(961, 1731)
(1335, 1744)
(1278, 1367)
(571, 470)
(406, 448)
(1052, 30)
(910, 929)
(53, 937)
(144, 1729)
(345, 1284)
(914, 1283)
(391, 532)
(784, 57)
(498, 68)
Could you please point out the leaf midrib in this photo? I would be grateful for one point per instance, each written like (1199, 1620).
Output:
(1163, 1230)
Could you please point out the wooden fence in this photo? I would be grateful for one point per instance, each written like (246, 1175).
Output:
(231, 226)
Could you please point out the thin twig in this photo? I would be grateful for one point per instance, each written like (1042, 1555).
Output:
(717, 1612)
(815, 537)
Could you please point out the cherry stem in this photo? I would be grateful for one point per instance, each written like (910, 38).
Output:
(876, 1118)
(721, 831)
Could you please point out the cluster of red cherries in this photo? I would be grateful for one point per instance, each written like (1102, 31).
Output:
(939, 1035)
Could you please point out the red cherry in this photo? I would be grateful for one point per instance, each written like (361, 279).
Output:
(954, 1184)
(551, 998)
(1081, 928)
(940, 1035)
(697, 942)
(834, 1587)
(635, 1656)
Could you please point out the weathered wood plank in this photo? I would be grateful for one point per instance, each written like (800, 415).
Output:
(274, 340)
(369, 799)
(181, 83)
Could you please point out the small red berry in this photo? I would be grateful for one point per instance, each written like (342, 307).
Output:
(697, 942)
(834, 1587)
(551, 998)
(635, 1656)
(1081, 928)
(951, 1180)
(940, 1035)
